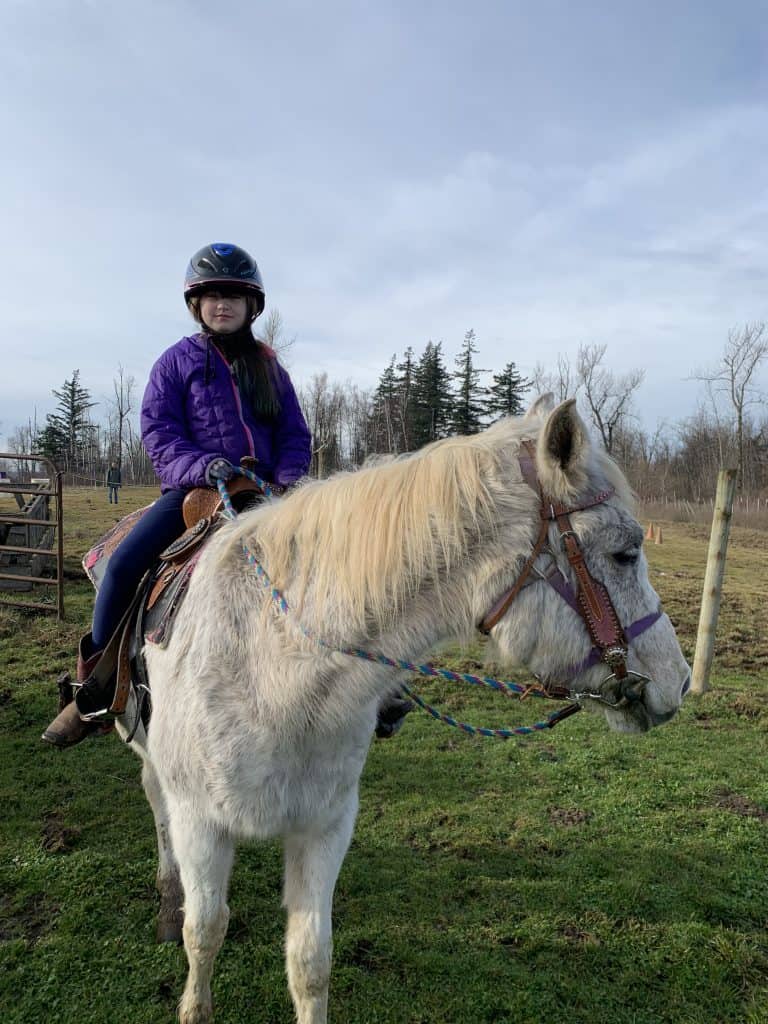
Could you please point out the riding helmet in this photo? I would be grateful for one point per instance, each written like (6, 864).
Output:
(224, 263)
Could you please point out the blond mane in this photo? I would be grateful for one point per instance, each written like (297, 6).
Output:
(372, 537)
(369, 539)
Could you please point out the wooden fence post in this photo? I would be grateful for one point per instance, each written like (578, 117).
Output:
(713, 580)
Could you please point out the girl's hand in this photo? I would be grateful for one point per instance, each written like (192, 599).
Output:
(219, 469)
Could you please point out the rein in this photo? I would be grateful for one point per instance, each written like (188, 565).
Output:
(590, 600)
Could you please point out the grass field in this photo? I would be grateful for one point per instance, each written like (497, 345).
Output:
(577, 877)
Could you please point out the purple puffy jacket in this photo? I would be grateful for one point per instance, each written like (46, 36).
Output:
(192, 413)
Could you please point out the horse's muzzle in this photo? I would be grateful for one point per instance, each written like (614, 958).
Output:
(619, 693)
(629, 694)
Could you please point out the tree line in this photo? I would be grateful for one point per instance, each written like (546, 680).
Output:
(418, 399)
(81, 446)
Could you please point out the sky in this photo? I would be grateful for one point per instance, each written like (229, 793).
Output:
(549, 175)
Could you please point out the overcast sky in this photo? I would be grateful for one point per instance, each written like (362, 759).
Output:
(548, 174)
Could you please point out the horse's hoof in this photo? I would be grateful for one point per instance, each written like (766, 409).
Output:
(169, 931)
(198, 1013)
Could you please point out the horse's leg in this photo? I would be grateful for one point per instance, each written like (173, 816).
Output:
(171, 916)
(312, 864)
(205, 856)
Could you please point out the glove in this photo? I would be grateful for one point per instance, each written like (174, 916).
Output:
(219, 469)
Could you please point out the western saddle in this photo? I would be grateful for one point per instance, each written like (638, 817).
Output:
(160, 594)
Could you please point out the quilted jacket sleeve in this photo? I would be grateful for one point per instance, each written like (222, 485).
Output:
(292, 439)
(178, 460)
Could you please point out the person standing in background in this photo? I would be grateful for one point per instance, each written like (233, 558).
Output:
(114, 481)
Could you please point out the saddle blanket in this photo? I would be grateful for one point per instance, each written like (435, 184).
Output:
(163, 589)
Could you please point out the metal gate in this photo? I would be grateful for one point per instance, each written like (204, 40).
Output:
(30, 537)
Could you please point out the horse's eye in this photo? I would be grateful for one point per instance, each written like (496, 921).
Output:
(626, 557)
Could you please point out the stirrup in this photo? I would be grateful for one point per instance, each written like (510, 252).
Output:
(103, 717)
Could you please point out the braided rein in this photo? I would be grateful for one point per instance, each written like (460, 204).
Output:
(509, 689)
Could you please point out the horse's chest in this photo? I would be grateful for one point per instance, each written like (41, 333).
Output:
(268, 795)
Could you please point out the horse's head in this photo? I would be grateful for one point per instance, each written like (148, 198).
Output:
(634, 671)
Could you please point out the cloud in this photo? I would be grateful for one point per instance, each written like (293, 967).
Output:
(560, 188)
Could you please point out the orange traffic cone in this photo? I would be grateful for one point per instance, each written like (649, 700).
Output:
(649, 532)
(659, 538)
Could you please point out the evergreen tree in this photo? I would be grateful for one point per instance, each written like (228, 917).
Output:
(433, 398)
(469, 407)
(68, 431)
(51, 442)
(405, 394)
(505, 395)
(383, 421)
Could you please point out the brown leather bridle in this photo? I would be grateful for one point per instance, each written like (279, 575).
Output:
(590, 598)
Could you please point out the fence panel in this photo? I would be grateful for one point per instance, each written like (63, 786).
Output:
(31, 536)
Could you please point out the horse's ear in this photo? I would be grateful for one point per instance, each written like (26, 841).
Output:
(562, 452)
(543, 406)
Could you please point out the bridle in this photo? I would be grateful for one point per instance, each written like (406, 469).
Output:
(590, 599)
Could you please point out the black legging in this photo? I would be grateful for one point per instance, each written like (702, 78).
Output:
(162, 523)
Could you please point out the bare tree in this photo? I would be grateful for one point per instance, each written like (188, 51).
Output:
(608, 396)
(119, 409)
(744, 352)
(562, 382)
(273, 332)
(356, 414)
(137, 462)
(22, 442)
(322, 403)
(651, 459)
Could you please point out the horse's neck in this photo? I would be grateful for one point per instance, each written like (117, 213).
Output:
(437, 612)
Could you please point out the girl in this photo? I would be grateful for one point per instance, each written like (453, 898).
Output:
(211, 399)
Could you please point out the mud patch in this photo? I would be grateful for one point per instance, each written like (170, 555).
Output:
(568, 817)
(573, 934)
(751, 705)
(58, 837)
(741, 805)
(705, 720)
(29, 921)
(364, 955)
(547, 849)
(239, 928)
(167, 988)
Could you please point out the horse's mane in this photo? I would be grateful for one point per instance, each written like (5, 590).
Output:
(369, 538)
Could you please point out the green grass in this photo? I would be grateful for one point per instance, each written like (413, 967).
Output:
(577, 876)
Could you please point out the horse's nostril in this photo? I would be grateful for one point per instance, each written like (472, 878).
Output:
(686, 686)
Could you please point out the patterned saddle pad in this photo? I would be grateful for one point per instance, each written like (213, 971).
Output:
(166, 584)
(96, 560)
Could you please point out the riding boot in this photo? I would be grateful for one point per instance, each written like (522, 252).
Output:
(391, 715)
(74, 721)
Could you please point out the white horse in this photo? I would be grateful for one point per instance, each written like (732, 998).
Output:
(257, 731)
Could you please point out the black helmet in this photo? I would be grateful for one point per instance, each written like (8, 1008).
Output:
(223, 263)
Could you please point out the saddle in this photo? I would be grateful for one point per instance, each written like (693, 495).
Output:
(161, 592)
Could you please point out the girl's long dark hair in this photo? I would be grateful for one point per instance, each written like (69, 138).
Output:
(252, 363)
(254, 370)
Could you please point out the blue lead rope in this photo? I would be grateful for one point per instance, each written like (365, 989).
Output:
(506, 687)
